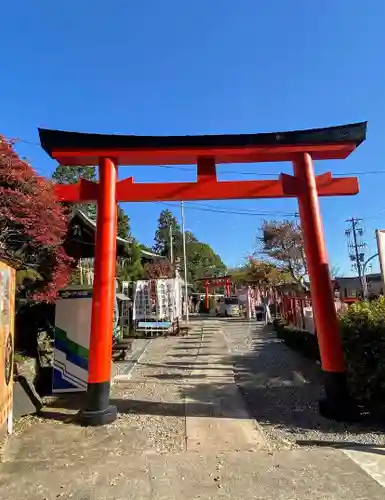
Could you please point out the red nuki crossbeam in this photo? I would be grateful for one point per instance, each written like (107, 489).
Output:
(208, 188)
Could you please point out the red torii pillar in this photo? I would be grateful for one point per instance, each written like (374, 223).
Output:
(300, 147)
(98, 410)
(228, 288)
(321, 291)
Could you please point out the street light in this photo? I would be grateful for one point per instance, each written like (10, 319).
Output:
(364, 282)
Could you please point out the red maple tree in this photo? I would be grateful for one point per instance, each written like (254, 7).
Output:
(160, 268)
(32, 224)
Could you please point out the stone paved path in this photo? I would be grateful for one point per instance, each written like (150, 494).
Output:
(184, 431)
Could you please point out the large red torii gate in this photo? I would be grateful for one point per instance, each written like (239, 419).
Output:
(299, 147)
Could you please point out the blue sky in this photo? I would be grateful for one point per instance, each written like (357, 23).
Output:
(164, 67)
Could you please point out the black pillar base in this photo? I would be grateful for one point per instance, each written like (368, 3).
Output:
(338, 404)
(98, 410)
(98, 417)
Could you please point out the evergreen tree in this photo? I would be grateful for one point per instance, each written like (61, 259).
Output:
(162, 235)
(123, 224)
(130, 268)
(201, 258)
(72, 175)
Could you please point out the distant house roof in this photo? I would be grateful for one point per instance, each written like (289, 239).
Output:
(369, 277)
(92, 225)
(153, 255)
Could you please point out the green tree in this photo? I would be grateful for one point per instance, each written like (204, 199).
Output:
(123, 227)
(240, 275)
(201, 258)
(129, 268)
(202, 261)
(267, 274)
(72, 175)
(162, 235)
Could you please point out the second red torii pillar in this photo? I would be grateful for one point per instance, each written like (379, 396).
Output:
(337, 403)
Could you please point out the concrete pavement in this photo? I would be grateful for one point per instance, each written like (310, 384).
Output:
(183, 431)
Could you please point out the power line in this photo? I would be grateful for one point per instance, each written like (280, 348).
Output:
(378, 215)
(268, 212)
(235, 212)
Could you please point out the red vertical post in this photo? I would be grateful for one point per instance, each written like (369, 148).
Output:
(207, 305)
(98, 410)
(302, 305)
(338, 403)
(294, 309)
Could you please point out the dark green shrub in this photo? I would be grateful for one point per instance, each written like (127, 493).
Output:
(363, 337)
(279, 327)
(363, 341)
(300, 340)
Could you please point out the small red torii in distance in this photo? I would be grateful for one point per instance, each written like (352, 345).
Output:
(222, 281)
(299, 147)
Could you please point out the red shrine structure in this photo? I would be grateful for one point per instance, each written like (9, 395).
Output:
(220, 281)
(299, 147)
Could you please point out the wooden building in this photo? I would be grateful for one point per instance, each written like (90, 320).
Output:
(80, 244)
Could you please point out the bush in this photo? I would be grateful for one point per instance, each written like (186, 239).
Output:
(363, 337)
(301, 340)
(363, 341)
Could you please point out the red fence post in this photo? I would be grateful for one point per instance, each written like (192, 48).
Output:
(294, 309)
(302, 305)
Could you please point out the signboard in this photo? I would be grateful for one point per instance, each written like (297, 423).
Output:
(7, 315)
(160, 298)
(72, 339)
(142, 300)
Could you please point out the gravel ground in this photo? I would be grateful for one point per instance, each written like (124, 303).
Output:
(151, 407)
(143, 454)
(282, 391)
(152, 401)
(124, 367)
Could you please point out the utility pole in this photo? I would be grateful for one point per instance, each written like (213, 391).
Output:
(357, 249)
(171, 247)
(184, 260)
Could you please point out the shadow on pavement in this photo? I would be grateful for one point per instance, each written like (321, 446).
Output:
(346, 445)
(280, 388)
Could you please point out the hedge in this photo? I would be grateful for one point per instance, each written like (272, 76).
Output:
(301, 340)
(363, 341)
(363, 337)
